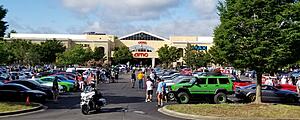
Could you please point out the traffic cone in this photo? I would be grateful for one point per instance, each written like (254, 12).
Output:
(27, 101)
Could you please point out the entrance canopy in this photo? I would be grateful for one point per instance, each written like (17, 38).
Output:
(142, 35)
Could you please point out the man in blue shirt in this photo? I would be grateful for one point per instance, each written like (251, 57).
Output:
(161, 90)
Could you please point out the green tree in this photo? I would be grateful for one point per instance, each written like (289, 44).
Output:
(122, 55)
(98, 53)
(19, 48)
(49, 49)
(4, 53)
(3, 25)
(262, 35)
(194, 58)
(216, 56)
(168, 54)
(77, 54)
(32, 56)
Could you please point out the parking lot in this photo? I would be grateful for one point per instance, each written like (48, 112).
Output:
(124, 103)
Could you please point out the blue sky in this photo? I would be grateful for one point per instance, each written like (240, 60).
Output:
(118, 17)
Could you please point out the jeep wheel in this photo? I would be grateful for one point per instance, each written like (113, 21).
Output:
(251, 98)
(183, 98)
(220, 98)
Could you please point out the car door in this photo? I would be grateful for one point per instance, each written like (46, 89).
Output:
(269, 95)
(199, 87)
(225, 84)
(212, 84)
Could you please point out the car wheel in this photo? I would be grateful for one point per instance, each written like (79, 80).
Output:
(251, 98)
(291, 99)
(183, 98)
(220, 98)
(171, 96)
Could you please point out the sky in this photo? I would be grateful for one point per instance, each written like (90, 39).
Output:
(118, 17)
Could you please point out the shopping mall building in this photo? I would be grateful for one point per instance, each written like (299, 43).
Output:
(144, 45)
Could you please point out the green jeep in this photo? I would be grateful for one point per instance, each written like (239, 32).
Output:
(212, 88)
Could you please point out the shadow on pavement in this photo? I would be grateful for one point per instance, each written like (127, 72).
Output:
(123, 99)
(70, 102)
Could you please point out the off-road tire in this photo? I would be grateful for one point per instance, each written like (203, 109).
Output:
(220, 98)
(183, 98)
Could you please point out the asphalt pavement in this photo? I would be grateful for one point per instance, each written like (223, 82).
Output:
(124, 103)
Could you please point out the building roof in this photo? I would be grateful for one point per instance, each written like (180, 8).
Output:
(139, 36)
(46, 36)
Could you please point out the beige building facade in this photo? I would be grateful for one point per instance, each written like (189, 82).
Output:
(142, 44)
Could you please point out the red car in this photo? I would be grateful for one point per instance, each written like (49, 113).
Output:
(287, 87)
(239, 83)
(186, 71)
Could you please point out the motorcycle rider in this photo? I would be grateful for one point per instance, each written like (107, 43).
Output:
(97, 95)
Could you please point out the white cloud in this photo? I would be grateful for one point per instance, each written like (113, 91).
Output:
(205, 8)
(119, 17)
(122, 9)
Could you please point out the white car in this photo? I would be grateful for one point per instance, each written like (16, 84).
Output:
(21, 75)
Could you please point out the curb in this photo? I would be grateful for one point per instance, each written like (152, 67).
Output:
(22, 112)
(171, 113)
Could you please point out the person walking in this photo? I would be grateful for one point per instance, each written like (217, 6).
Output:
(159, 93)
(133, 79)
(149, 89)
(140, 78)
(55, 89)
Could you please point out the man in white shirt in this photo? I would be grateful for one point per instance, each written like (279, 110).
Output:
(283, 80)
(298, 85)
(149, 89)
(269, 82)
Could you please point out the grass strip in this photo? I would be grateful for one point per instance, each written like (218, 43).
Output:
(239, 110)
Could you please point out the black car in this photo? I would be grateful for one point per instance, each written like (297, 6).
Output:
(17, 92)
(35, 86)
(269, 94)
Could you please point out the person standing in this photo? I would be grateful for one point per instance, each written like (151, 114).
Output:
(152, 76)
(269, 82)
(159, 93)
(283, 80)
(133, 79)
(140, 78)
(298, 85)
(55, 89)
(149, 91)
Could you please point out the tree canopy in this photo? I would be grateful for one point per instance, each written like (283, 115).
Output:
(194, 58)
(49, 49)
(122, 55)
(3, 24)
(262, 35)
(168, 54)
(77, 54)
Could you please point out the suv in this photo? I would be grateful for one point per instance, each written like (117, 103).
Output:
(214, 88)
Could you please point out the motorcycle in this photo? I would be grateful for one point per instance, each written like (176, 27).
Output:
(88, 102)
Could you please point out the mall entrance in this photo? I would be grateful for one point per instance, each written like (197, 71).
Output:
(141, 61)
(144, 61)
